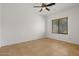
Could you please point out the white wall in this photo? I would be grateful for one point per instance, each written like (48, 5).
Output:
(73, 25)
(0, 23)
(20, 23)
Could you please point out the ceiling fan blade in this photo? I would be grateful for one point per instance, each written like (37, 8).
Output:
(37, 6)
(51, 4)
(47, 9)
(41, 9)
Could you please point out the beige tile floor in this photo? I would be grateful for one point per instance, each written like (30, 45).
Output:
(41, 47)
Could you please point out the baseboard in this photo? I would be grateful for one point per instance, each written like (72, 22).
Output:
(63, 41)
(3, 45)
(37, 39)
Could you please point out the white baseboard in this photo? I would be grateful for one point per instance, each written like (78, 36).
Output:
(64, 40)
(13, 43)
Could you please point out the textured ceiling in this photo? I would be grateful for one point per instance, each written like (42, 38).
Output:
(56, 8)
(53, 9)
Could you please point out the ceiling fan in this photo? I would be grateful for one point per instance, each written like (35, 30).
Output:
(45, 6)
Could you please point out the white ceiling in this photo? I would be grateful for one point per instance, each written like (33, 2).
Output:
(53, 9)
(56, 8)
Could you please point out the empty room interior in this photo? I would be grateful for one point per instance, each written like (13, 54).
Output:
(39, 29)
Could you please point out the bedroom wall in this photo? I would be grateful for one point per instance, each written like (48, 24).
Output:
(0, 24)
(20, 23)
(73, 25)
